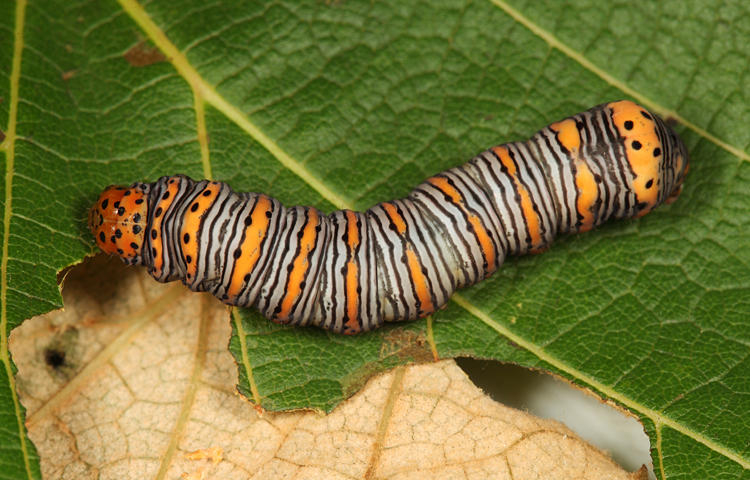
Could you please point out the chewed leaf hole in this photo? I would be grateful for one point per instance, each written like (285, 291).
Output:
(547, 396)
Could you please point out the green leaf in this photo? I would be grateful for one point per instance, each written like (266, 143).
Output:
(345, 104)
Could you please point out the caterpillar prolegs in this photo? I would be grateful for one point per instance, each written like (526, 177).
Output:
(350, 272)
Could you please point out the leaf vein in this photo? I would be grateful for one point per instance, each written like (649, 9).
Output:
(556, 43)
(9, 145)
(657, 417)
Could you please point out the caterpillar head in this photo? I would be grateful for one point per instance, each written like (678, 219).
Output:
(680, 164)
(657, 156)
(118, 221)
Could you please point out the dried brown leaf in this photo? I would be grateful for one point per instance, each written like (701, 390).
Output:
(134, 380)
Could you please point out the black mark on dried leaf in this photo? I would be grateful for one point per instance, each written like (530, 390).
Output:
(54, 357)
(143, 55)
(60, 353)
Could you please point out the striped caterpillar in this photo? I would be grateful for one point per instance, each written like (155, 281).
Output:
(350, 272)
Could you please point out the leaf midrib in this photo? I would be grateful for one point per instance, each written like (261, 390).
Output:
(204, 92)
(8, 146)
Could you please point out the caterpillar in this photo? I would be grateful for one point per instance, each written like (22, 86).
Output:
(350, 272)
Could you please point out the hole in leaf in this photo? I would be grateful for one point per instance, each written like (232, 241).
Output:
(547, 396)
